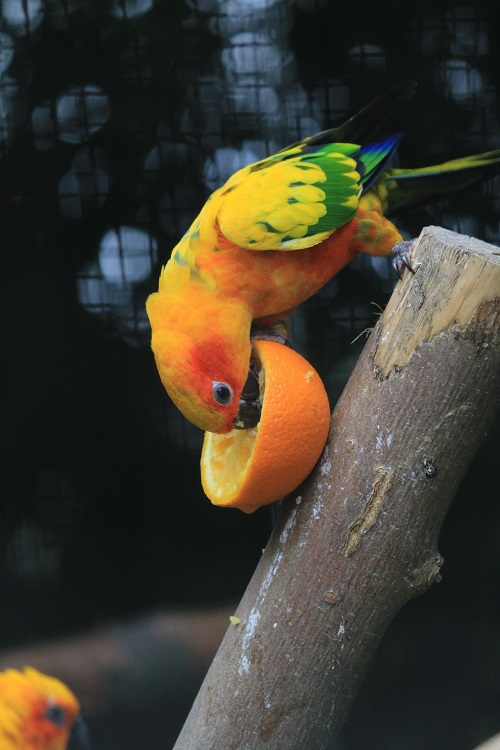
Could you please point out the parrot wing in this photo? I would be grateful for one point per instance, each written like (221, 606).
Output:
(298, 197)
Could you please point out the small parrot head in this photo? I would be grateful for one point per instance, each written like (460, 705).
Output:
(202, 352)
(38, 712)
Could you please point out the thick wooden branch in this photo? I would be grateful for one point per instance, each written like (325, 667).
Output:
(360, 539)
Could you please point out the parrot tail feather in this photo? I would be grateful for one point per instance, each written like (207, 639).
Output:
(403, 189)
(363, 127)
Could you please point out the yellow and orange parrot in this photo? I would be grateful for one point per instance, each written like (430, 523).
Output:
(271, 237)
(38, 712)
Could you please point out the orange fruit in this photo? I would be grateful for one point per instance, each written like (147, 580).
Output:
(248, 468)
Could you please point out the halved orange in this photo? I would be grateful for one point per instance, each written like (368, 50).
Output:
(248, 468)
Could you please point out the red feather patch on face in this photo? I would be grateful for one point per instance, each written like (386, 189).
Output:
(211, 356)
(211, 363)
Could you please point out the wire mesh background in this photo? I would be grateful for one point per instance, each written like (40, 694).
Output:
(117, 118)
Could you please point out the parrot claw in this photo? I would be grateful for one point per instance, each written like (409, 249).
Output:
(401, 254)
(279, 332)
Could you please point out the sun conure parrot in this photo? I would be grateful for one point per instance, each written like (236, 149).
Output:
(38, 712)
(271, 237)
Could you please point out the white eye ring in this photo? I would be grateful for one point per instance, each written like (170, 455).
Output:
(223, 393)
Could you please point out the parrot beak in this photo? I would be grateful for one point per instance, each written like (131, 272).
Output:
(250, 406)
(79, 738)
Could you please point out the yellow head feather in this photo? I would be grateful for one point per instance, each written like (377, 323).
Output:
(37, 712)
(198, 341)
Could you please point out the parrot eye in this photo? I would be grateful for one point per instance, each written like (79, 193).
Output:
(223, 393)
(56, 715)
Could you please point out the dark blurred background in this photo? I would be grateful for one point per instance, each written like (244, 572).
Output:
(117, 118)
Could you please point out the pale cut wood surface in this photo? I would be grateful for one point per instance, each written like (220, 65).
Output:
(456, 286)
(360, 537)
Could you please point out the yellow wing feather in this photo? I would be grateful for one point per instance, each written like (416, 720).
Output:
(284, 206)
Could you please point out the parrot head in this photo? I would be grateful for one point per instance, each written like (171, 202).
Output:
(38, 712)
(203, 356)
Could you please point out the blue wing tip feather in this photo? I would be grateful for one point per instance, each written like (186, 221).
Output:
(385, 145)
(376, 157)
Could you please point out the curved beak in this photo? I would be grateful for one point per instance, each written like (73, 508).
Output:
(250, 406)
(79, 738)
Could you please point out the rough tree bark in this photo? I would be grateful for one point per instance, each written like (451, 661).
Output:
(360, 537)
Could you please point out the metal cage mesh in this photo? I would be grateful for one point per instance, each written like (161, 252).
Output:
(117, 119)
